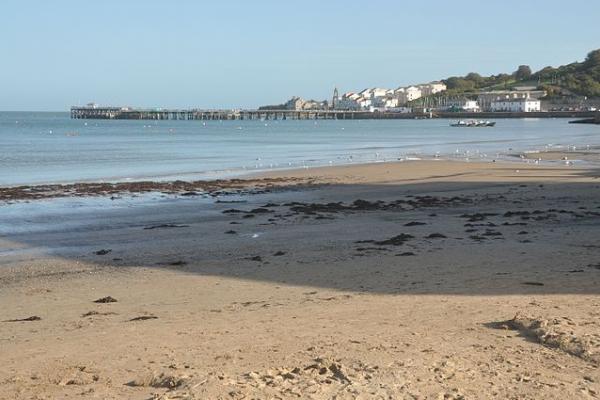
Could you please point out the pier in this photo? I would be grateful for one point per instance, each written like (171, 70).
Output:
(206, 115)
(224, 115)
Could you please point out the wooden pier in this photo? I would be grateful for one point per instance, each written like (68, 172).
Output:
(206, 115)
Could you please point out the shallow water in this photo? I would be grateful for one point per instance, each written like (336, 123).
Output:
(40, 148)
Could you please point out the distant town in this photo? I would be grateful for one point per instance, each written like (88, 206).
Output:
(403, 99)
(571, 90)
(572, 87)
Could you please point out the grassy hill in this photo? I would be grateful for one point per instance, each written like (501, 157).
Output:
(575, 79)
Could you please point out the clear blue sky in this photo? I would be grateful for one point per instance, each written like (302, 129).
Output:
(54, 54)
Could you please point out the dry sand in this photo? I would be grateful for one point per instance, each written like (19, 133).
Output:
(415, 280)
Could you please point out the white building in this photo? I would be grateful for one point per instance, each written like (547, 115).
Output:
(379, 92)
(406, 94)
(485, 99)
(346, 103)
(364, 102)
(381, 98)
(516, 105)
(471, 106)
(430, 88)
(387, 101)
(352, 101)
(412, 93)
(402, 110)
(366, 93)
(461, 105)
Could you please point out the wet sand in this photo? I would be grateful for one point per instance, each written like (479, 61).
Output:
(399, 280)
(587, 154)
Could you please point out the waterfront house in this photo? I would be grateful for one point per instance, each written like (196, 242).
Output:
(465, 105)
(485, 99)
(516, 105)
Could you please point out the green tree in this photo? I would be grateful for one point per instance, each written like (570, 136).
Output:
(459, 83)
(593, 59)
(475, 78)
(523, 72)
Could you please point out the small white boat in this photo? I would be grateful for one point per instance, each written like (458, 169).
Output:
(473, 124)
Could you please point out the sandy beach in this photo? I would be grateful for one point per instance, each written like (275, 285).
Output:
(405, 280)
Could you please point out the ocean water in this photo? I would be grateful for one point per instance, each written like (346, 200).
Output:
(37, 148)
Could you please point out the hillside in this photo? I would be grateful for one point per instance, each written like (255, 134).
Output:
(575, 79)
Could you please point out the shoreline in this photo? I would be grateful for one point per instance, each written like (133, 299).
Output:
(270, 179)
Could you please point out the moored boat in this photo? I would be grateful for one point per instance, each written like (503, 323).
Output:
(473, 124)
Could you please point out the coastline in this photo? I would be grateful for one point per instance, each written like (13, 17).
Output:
(419, 279)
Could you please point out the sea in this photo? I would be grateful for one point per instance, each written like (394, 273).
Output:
(43, 147)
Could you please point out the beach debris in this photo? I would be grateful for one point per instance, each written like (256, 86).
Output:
(435, 236)
(28, 319)
(107, 299)
(509, 214)
(397, 240)
(365, 205)
(92, 313)
(178, 263)
(232, 211)
(531, 283)
(372, 249)
(279, 253)
(159, 380)
(213, 188)
(166, 226)
(559, 333)
(326, 366)
(76, 376)
(261, 210)
(230, 201)
(489, 232)
(143, 318)
(477, 217)
(415, 223)
(231, 232)
(254, 258)
(478, 238)
(102, 252)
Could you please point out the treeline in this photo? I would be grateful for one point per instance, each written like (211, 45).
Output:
(575, 79)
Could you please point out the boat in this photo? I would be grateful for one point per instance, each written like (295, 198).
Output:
(473, 124)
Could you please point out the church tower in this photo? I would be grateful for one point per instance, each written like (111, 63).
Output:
(335, 98)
